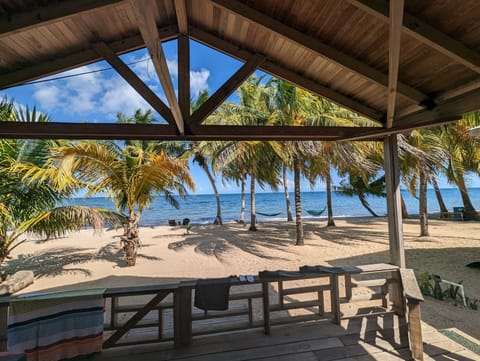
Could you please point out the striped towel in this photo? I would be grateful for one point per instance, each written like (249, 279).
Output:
(51, 327)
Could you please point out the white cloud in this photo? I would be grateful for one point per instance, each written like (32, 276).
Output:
(119, 96)
(173, 67)
(48, 96)
(199, 81)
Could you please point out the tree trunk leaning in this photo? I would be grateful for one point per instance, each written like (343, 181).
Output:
(469, 211)
(298, 203)
(218, 218)
(438, 194)
(242, 207)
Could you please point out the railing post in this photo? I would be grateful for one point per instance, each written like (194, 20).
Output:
(3, 326)
(266, 308)
(182, 316)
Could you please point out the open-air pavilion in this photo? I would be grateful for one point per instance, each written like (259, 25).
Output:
(402, 64)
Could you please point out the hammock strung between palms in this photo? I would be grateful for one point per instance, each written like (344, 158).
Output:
(269, 214)
(316, 213)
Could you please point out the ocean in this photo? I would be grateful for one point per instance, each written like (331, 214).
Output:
(201, 208)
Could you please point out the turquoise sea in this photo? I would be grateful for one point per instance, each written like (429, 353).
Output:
(202, 208)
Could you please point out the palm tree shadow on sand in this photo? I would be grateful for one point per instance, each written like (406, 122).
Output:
(68, 260)
(210, 241)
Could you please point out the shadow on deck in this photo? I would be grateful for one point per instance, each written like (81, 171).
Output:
(364, 339)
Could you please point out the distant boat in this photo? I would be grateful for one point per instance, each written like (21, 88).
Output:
(316, 213)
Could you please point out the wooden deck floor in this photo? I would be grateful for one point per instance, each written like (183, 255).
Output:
(372, 338)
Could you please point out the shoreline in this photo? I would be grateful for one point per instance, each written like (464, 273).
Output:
(82, 260)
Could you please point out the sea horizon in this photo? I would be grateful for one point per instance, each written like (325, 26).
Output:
(201, 208)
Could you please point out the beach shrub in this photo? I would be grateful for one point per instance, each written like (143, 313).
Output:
(425, 284)
(472, 303)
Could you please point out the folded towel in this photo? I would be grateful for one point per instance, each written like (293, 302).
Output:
(280, 274)
(56, 326)
(321, 269)
(212, 294)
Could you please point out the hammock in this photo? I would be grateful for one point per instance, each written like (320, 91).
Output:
(316, 213)
(269, 214)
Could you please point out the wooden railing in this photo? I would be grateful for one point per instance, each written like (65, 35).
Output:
(164, 313)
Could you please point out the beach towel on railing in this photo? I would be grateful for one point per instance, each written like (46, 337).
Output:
(50, 327)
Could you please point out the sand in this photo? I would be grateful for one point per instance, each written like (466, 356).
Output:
(84, 260)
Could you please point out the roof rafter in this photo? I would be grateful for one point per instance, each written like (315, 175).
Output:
(57, 65)
(347, 62)
(148, 29)
(227, 89)
(135, 82)
(57, 11)
(425, 33)
(395, 34)
(286, 74)
(183, 50)
(444, 113)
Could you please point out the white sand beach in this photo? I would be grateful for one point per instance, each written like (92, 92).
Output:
(84, 260)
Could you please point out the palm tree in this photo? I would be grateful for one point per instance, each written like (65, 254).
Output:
(462, 156)
(248, 157)
(28, 205)
(132, 176)
(358, 186)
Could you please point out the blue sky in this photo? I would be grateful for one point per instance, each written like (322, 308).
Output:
(99, 94)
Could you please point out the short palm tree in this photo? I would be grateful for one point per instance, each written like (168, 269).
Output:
(30, 205)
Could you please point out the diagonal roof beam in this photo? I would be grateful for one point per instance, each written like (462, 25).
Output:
(226, 89)
(135, 82)
(395, 35)
(444, 113)
(181, 14)
(148, 28)
(425, 33)
(67, 62)
(56, 11)
(310, 43)
(279, 71)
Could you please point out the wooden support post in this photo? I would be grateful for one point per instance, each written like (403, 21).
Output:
(415, 329)
(280, 293)
(182, 316)
(348, 286)
(3, 327)
(321, 303)
(395, 231)
(335, 299)
(113, 311)
(266, 308)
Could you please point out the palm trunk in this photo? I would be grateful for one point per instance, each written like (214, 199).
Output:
(404, 207)
(130, 238)
(298, 203)
(364, 202)
(330, 221)
(287, 195)
(469, 211)
(253, 216)
(218, 218)
(438, 194)
(423, 202)
(242, 209)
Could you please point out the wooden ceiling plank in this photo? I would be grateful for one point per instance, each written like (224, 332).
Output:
(319, 47)
(226, 89)
(286, 74)
(148, 28)
(135, 82)
(425, 33)
(395, 35)
(182, 18)
(53, 66)
(47, 14)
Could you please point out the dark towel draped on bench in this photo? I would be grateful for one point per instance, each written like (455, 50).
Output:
(212, 294)
(279, 273)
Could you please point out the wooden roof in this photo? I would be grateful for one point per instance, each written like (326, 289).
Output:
(406, 65)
